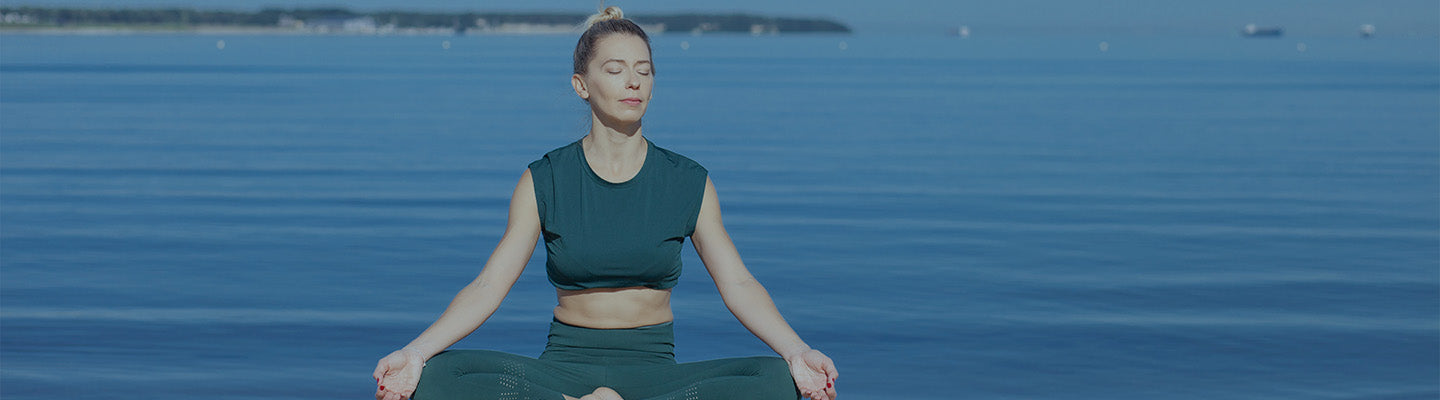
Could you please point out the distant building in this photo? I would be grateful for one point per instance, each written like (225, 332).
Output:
(763, 29)
(704, 27)
(289, 22)
(528, 28)
(18, 18)
(354, 25)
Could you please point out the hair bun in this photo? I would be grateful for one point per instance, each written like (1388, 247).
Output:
(609, 13)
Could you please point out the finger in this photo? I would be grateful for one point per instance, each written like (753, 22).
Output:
(814, 383)
(380, 369)
(827, 368)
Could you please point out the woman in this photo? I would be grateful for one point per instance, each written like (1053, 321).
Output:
(613, 209)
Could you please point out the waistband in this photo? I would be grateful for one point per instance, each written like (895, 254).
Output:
(650, 344)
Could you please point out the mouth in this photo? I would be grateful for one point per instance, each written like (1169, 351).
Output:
(633, 101)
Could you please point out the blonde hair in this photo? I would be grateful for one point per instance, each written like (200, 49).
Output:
(609, 13)
(608, 22)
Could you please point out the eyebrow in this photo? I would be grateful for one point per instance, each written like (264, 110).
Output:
(623, 61)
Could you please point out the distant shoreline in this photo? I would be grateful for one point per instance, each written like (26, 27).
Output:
(240, 30)
(332, 21)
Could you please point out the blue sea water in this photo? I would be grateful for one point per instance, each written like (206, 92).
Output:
(989, 218)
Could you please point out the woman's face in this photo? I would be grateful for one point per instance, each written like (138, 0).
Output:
(618, 79)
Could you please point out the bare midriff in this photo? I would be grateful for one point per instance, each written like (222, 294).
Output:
(613, 308)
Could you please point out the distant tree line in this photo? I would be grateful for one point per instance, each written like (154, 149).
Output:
(70, 17)
(404, 19)
(740, 23)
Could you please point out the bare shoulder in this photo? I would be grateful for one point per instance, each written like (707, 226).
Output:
(709, 223)
(524, 205)
(710, 202)
(526, 179)
(526, 184)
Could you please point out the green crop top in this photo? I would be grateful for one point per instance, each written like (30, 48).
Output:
(600, 234)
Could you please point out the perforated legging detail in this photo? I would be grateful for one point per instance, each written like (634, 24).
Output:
(635, 363)
(483, 374)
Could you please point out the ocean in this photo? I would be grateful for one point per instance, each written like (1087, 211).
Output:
(1027, 217)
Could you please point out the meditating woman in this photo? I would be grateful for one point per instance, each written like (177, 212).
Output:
(614, 210)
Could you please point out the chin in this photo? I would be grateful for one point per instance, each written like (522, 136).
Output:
(629, 117)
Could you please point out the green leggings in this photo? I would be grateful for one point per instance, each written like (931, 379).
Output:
(638, 363)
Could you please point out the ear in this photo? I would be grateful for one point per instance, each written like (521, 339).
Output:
(579, 83)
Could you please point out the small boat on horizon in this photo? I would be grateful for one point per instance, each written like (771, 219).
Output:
(962, 31)
(1255, 31)
(1367, 31)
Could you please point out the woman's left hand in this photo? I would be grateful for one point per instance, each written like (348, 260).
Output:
(814, 374)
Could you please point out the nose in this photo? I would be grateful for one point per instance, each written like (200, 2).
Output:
(632, 81)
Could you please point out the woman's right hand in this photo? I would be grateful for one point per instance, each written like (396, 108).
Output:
(398, 373)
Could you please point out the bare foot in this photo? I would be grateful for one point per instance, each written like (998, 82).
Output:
(602, 393)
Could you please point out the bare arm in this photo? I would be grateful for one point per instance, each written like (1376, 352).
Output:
(743, 295)
(478, 300)
(398, 373)
(814, 373)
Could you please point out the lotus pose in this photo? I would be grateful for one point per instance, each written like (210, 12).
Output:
(613, 209)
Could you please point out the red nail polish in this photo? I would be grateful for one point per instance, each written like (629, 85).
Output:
(828, 384)
(382, 388)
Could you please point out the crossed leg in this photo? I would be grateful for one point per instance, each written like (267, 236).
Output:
(493, 375)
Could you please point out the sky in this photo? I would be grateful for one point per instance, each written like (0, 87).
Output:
(1299, 17)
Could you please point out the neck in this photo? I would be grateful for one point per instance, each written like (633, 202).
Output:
(612, 146)
(606, 126)
(614, 156)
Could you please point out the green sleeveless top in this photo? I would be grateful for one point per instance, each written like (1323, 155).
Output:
(600, 234)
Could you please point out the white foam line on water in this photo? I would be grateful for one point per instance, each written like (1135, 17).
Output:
(1280, 321)
(239, 232)
(1181, 280)
(214, 315)
(1089, 227)
(1045, 192)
